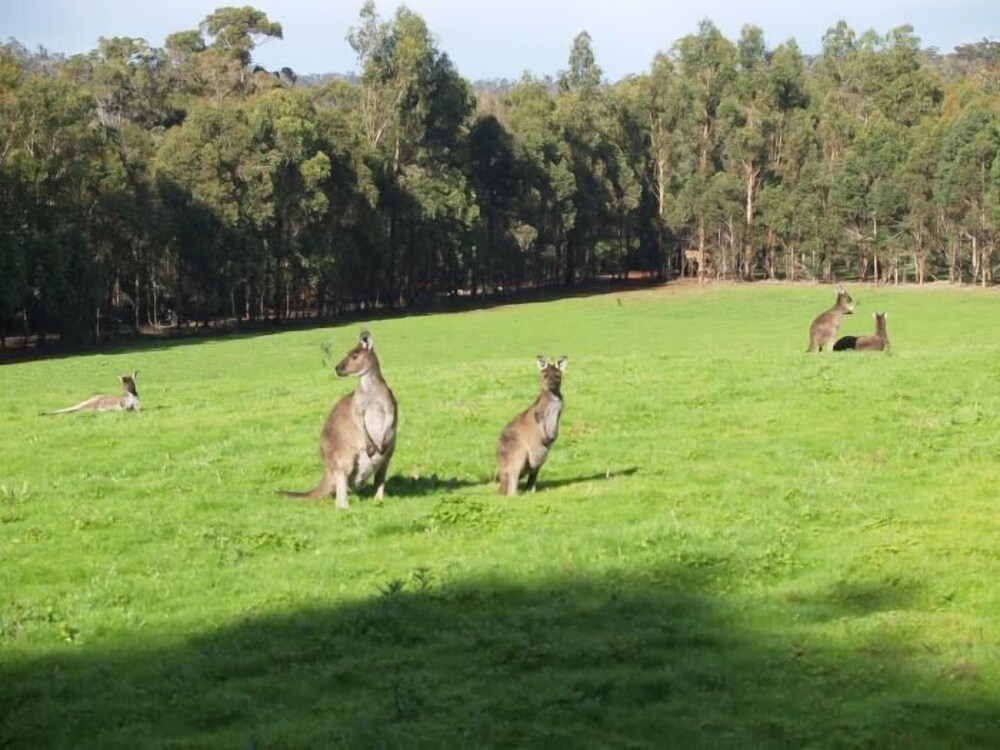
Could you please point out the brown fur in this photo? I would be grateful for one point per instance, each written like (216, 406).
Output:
(128, 401)
(823, 330)
(359, 436)
(526, 440)
(878, 341)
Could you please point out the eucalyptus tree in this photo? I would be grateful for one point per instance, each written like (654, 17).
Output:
(51, 158)
(964, 183)
(130, 85)
(790, 145)
(284, 169)
(627, 167)
(580, 116)
(868, 196)
(232, 35)
(747, 121)
(836, 103)
(13, 261)
(344, 252)
(497, 252)
(546, 210)
(198, 172)
(792, 202)
(916, 179)
(414, 109)
(606, 189)
(706, 67)
(658, 95)
(216, 59)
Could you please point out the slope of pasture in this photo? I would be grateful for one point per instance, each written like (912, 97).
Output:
(734, 543)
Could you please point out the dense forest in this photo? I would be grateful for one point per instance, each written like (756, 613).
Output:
(142, 186)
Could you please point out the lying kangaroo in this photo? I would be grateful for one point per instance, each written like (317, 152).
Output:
(877, 342)
(823, 330)
(129, 401)
(360, 434)
(525, 441)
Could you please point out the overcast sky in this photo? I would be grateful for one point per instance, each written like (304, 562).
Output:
(502, 38)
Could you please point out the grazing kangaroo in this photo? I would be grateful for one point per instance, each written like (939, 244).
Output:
(129, 401)
(525, 441)
(823, 330)
(359, 436)
(877, 342)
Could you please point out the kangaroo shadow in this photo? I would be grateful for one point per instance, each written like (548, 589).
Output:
(634, 659)
(552, 484)
(408, 487)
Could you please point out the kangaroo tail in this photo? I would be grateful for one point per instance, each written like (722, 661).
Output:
(321, 490)
(67, 410)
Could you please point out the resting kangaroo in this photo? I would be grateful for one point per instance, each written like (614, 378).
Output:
(360, 434)
(823, 330)
(525, 441)
(129, 401)
(877, 342)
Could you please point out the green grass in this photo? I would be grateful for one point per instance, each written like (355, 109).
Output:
(734, 544)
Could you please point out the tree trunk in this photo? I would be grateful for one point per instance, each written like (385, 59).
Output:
(135, 305)
(748, 248)
(701, 250)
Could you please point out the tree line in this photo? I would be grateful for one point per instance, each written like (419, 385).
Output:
(142, 186)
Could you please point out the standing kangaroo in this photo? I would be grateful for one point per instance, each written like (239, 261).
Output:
(359, 436)
(525, 441)
(129, 401)
(823, 330)
(877, 342)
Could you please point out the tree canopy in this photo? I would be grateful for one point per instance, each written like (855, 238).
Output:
(141, 185)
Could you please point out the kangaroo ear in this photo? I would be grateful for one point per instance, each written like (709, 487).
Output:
(366, 340)
(874, 316)
(134, 373)
(885, 315)
(561, 364)
(542, 363)
(121, 379)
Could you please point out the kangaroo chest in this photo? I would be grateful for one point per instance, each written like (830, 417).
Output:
(374, 411)
(548, 420)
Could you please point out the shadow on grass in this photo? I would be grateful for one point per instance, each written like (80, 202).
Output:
(402, 487)
(649, 659)
(236, 329)
(554, 483)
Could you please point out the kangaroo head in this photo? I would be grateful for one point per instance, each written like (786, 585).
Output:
(880, 320)
(844, 300)
(128, 383)
(551, 373)
(360, 359)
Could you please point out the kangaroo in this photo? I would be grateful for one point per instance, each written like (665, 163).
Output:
(359, 436)
(526, 440)
(129, 401)
(877, 342)
(823, 330)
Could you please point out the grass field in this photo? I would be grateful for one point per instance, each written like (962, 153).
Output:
(734, 544)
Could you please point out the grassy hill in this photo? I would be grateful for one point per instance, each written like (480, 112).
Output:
(734, 544)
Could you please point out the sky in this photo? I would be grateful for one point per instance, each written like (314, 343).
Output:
(500, 38)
